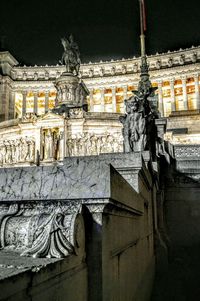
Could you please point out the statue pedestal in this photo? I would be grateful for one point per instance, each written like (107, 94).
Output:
(71, 93)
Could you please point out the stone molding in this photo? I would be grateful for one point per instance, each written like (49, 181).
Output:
(111, 68)
(182, 152)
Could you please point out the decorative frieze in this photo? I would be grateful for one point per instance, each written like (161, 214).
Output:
(89, 144)
(186, 151)
(17, 151)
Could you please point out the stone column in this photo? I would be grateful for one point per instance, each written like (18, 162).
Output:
(114, 109)
(46, 101)
(125, 92)
(185, 98)
(160, 99)
(12, 105)
(196, 82)
(173, 107)
(35, 109)
(102, 100)
(24, 95)
(91, 101)
(4, 97)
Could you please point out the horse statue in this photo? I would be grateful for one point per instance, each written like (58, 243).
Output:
(71, 55)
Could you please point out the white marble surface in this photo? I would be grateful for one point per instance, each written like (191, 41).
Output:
(76, 178)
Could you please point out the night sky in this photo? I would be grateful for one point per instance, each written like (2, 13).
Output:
(104, 29)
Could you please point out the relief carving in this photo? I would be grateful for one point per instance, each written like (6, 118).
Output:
(187, 151)
(17, 151)
(89, 144)
(54, 231)
(51, 139)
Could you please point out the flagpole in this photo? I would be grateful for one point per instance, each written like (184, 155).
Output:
(142, 35)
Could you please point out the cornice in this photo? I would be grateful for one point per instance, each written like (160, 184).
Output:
(170, 64)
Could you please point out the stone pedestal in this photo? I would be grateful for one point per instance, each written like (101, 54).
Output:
(71, 93)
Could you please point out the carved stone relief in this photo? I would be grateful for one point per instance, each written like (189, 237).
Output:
(17, 151)
(54, 230)
(76, 113)
(51, 139)
(89, 144)
(192, 151)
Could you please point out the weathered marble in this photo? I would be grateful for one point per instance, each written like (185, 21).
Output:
(76, 178)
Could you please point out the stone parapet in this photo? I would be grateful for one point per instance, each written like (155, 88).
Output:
(44, 211)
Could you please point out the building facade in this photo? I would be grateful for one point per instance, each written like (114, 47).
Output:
(31, 134)
(32, 90)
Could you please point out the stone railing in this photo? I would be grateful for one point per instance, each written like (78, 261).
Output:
(89, 144)
(186, 151)
(17, 151)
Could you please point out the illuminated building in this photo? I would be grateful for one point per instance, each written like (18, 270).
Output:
(31, 89)
(27, 92)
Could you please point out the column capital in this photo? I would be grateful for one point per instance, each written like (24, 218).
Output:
(171, 80)
(24, 92)
(184, 78)
(196, 76)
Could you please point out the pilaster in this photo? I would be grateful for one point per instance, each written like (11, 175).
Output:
(102, 100)
(196, 82)
(24, 95)
(185, 98)
(160, 99)
(173, 107)
(114, 99)
(46, 105)
(35, 109)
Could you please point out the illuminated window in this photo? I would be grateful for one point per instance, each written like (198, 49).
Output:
(97, 96)
(177, 82)
(129, 90)
(190, 89)
(191, 94)
(120, 107)
(166, 93)
(166, 83)
(119, 90)
(41, 103)
(167, 108)
(119, 98)
(52, 97)
(30, 102)
(18, 105)
(190, 80)
(108, 96)
(154, 85)
(192, 104)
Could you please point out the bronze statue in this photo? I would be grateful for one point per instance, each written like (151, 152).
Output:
(71, 55)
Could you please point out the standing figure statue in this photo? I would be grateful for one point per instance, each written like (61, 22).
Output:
(134, 126)
(71, 55)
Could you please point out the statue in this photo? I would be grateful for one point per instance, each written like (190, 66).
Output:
(48, 145)
(138, 124)
(71, 55)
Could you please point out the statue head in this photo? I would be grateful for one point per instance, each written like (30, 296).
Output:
(71, 38)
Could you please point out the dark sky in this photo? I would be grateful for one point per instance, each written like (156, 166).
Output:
(104, 29)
